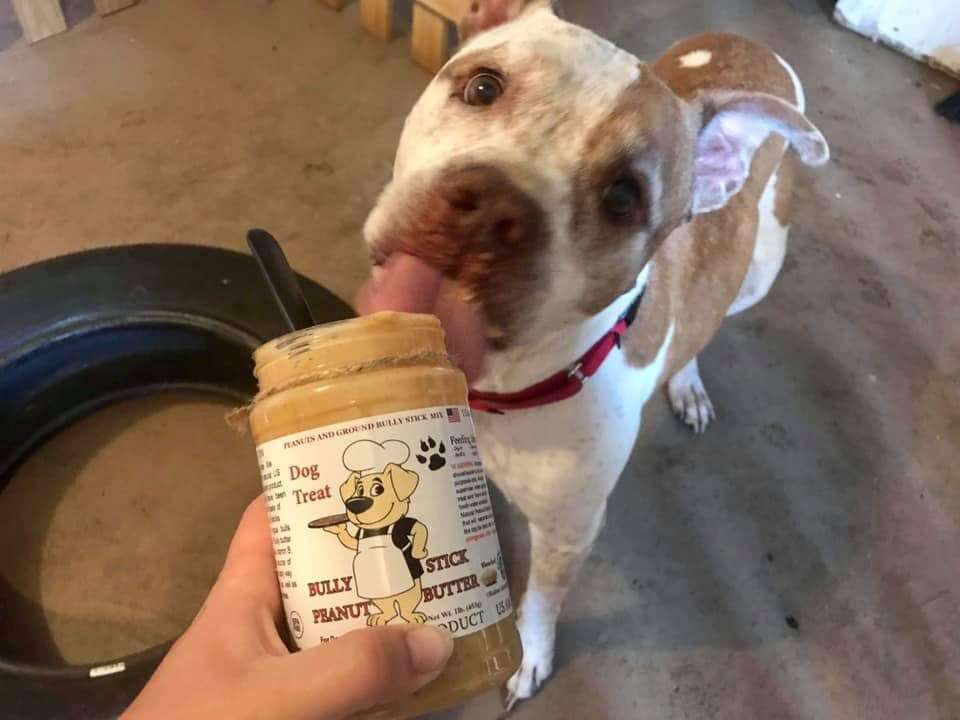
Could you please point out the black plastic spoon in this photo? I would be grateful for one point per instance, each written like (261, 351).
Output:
(281, 279)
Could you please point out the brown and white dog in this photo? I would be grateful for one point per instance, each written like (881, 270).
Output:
(553, 177)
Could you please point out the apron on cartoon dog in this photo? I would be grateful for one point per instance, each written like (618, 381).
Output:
(379, 567)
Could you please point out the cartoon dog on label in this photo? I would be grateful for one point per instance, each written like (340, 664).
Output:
(389, 545)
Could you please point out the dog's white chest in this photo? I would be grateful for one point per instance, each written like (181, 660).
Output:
(557, 461)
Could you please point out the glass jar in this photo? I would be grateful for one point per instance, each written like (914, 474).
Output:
(378, 502)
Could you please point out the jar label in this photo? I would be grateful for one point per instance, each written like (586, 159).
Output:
(384, 520)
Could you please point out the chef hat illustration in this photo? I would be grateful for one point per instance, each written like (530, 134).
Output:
(366, 456)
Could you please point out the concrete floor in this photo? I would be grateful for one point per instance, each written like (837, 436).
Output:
(826, 492)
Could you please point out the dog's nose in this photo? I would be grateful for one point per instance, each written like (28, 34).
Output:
(358, 505)
(485, 206)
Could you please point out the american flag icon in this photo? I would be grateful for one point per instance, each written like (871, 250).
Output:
(453, 414)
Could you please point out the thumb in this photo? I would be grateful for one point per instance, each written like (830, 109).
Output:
(357, 671)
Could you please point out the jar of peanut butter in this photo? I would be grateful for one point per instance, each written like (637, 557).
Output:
(378, 502)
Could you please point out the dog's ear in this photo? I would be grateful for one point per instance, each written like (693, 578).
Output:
(482, 15)
(733, 125)
(404, 481)
(349, 486)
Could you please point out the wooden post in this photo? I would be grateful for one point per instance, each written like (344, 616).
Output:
(429, 38)
(376, 16)
(105, 7)
(39, 18)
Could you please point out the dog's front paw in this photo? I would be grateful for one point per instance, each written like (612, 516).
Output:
(527, 680)
(690, 402)
(536, 667)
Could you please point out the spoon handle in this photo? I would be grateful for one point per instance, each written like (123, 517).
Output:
(281, 279)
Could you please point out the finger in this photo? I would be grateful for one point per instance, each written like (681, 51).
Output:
(357, 671)
(249, 572)
(243, 607)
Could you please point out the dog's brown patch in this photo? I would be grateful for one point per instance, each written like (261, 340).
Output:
(699, 270)
(700, 267)
(646, 138)
(736, 63)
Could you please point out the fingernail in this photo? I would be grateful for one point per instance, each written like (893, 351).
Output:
(430, 647)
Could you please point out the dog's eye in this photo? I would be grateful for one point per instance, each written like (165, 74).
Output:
(483, 89)
(622, 198)
(359, 492)
(376, 490)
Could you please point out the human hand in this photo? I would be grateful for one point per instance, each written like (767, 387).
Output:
(231, 662)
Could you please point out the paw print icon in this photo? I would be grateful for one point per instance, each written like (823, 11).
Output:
(431, 454)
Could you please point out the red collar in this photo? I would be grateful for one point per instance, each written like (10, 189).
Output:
(564, 384)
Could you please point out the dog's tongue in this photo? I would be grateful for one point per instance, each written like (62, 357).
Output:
(408, 284)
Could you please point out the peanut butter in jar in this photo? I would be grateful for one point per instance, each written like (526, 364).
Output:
(378, 502)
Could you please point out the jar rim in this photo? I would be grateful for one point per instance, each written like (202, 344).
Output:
(347, 347)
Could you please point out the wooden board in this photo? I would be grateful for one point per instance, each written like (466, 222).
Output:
(336, 4)
(452, 10)
(428, 43)
(376, 17)
(39, 18)
(105, 7)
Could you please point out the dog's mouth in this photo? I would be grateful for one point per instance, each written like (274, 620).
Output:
(465, 242)
(400, 281)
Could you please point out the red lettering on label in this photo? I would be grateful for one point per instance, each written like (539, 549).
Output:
(450, 588)
(449, 560)
(330, 586)
(311, 471)
(351, 611)
(305, 496)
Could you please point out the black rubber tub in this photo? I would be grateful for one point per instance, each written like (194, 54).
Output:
(82, 331)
